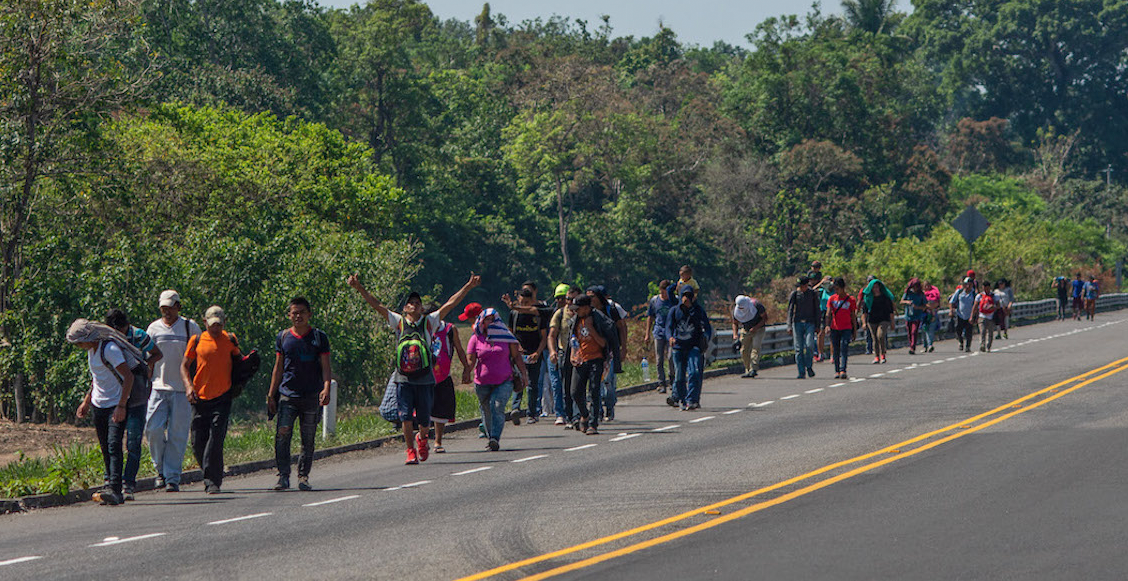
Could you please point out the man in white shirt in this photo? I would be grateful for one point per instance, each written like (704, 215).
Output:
(169, 416)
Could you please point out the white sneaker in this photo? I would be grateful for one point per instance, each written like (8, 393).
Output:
(559, 421)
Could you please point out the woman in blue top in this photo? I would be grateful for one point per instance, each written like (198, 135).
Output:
(915, 311)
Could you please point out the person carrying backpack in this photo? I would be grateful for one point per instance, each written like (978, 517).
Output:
(985, 313)
(212, 353)
(113, 364)
(881, 314)
(842, 319)
(802, 319)
(138, 398)
(414, 376)
(689, 330)
(589, 348)
(916, 311)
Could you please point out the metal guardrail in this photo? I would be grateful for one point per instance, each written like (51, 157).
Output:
(778, 340)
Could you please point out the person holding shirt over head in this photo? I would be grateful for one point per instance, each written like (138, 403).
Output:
(531, 330)
(842, 320)
(749, 321)
(209, 390)
(494, 353)
(299, 388)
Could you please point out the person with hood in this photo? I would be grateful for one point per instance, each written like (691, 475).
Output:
(962, 306)
(802, 318)
(689, 330)
(589, 346)
(880, 313)
(494, 353)
(916, 311)
(111, 360)
(600, 301)
(749, 322)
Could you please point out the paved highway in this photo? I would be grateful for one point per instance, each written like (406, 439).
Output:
(943, 465)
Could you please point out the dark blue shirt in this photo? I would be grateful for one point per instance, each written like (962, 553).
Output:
(686, 328)
(659, 309)
(301, 362)
(1078, 288)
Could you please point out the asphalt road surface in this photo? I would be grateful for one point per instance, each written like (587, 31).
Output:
(1004, 465)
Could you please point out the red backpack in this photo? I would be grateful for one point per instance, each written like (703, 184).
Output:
(987, 304)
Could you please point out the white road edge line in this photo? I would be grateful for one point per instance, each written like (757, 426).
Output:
(836, 385)
(473, 470)
(414, 484)
(128, 540)
(332, 500)
(792, 396)
(537, 457)
(239, 518)
(762, 404)
(878, 375)
(662, 429)
(623, 437)
(730, 412)
(18, 560)
(816, 390)
(895, 370)
(706, 418)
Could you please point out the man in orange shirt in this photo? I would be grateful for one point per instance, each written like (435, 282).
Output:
(209, 391)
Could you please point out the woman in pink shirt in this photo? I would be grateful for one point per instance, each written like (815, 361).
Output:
(494, 353)
(932, 324)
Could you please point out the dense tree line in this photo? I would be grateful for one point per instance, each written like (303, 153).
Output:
(245, 150)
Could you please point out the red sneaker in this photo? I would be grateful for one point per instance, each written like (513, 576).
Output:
(411, 459)
(421, 444)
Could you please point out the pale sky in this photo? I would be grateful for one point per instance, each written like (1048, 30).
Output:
(695, 22)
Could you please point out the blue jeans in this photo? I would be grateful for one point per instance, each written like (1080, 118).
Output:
(134, 432)
(534, 390)
(491, 402)
(169, 418)
(688, 371)
(556, 386)
(840, 345)
(803, 334)
(930, 331)
(609, 387)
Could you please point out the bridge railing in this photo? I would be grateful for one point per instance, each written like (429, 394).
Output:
(778, 340)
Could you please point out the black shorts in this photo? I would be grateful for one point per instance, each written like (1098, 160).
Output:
(442, 410)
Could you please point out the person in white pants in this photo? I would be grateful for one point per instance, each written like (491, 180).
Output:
(169, 416)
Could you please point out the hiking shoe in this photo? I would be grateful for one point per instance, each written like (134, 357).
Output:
(559, 421)
(211, 489)
(481, 431)
(126, 493)
(421, 444)
(670, 401)
(107, 497)
(283, 483)
(493, 445)
(513, 417)
(412, 458)
(810, 371)
(531, 420)
(693, 406)
(172, 487)
(748, 375)
(303, 484)
(159, 482)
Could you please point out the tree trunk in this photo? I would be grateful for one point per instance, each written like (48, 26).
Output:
(18, 390)
(563, 223)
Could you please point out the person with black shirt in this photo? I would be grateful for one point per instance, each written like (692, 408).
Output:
(299, 387)
(878, 303)
(802, 319)
(531, 330)
(1061, 285)
(600, 301)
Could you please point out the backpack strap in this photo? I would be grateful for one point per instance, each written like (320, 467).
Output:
(105, 362)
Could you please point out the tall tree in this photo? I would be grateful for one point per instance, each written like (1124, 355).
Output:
(872, 16)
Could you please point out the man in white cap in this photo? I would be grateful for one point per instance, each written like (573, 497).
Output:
(169, 415)
(749, 319)
(209, 390)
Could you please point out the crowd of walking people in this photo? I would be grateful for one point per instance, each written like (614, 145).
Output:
(175, 381)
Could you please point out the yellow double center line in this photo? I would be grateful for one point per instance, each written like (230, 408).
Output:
(887, 455)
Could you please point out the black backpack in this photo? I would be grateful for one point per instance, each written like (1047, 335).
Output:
(142, 383)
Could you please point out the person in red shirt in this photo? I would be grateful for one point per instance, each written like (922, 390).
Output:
(842, 319)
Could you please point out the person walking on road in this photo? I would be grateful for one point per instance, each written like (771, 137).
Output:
(446, 344)
(111, 360)
(531, 329)
(1078, 293)
(689, 330)
(986, 315)
(1061, 288)
(618, 315)
(138, 398)
(1092, 293)
(932, 321)
(299, 388)
(825, 288)
(414, 375)
(494, 353)
(1004, 298)
(657, 309)
(588, 348)
(862, 314)
(880, 314)
(916, 311)
(169, 414)
(962, 309)
(559, 334)
(211, 353)
(749, 322)
(842, 320)
(555, 376)
(802, 318)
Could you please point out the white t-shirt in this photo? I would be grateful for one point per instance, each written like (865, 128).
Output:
(433, 323)
(107, 388)
(173, 342)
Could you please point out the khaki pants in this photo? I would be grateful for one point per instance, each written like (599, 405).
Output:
(880, 332)
(750, 344)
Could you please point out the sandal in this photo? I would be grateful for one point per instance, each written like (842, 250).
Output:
(439, 449)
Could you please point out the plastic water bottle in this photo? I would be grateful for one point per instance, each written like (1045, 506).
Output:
(645, 370)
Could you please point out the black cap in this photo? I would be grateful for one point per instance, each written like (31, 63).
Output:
(414, 295)
(581, 301)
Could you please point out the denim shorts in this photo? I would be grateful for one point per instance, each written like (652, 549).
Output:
(415, 403)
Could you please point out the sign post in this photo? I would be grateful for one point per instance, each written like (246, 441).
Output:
(971, 224)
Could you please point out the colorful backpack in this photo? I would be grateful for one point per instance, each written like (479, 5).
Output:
(414, 354)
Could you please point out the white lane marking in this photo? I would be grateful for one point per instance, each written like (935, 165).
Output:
(836, 385)
(333, 500)
(925, 364)
(624, 437)
(698, 420)
(664, 428)
(18, 560)
(472, 470)
(816, 390)
(239, 518)
(938, 361)
(760, 405)
(878, 375)
(962, 357)
(584, 447)
(117, 541)
(895, 370)
(792, 396)
(414, 484)
(951, 359)
(857, 379)
(537, 457)
(730, 412)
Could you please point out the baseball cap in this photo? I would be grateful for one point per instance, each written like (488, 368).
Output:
(971, 273)
(169, 298)
(561, 290)
(802, 281)
(581, 301)
(967, 280)
(816, 264)
(471, 311)
(413, 295)
(214, 315)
